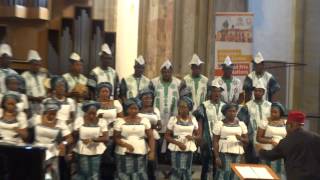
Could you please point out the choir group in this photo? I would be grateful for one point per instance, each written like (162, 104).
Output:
(101, 127)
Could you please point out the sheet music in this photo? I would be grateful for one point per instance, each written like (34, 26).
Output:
(246, 172)
(89, 132)
(262, 173)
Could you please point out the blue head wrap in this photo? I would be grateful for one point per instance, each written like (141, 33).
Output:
(51, 105)
(88, 104)
(56, 80)
(281, 108)
(188, 100)
(129, 102)
(226, 107)
(104, 85)
(10, 94)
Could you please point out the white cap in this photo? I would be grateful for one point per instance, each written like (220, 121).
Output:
(75, 56)
(216, 84)
(227, 61)
(140, 60)
(105, 49)
(33, 55)
(5, 49)
(196, 60)
(167, 64)
(259, 84)
(258, 58)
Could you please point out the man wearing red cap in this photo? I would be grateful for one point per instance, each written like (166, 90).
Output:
(300, 150)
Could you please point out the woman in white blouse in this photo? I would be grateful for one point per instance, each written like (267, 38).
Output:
(269, 134)
(151, 113)
(109, 111)
(15, 83)
(66, 113)
(182, 131)
(13, 123)
(230, 135)
(134, 140)
(55, 137)
(92, 134)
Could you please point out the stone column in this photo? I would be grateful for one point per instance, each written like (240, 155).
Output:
(307, 42)
(174, 29)
(306, 81)
(156, 33)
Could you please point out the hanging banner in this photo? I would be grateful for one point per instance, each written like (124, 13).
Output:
(233, 38)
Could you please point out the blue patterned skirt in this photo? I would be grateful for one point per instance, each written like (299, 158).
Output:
(181, 163)
(88, 167)
(226, 173)
(131, 167)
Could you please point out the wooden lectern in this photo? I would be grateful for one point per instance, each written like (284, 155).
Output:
(254, 171)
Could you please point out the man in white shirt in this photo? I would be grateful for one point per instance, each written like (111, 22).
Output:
(260, 74)
(196, 82)
(5, 70)
(232, 86)
(253, 113)
(104, 72)
(75, 79)
(34, 79)
(133, 84)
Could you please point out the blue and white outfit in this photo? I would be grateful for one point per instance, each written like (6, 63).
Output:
(253, 114)
(230, 148)
(209, 114)
(64, 113)
(89, 155)
(181, 160)
(23, 104)
(49, 138)
(133, 165)
(153, 117)
(7, 132)
(276, 133)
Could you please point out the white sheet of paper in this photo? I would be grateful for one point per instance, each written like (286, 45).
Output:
(262, 172)
(89, 132)
(46, 132)
(246, 172)
(108, 113)
(138, 144)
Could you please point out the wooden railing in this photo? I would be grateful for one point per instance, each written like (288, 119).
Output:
(26, 9)
(34, 3)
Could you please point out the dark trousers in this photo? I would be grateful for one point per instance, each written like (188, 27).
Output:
(108, 166)
(151, 170)
(4, 171)
(152, 165)
(163, 158)
(64, 168)
(207, 162)
(250, 154)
